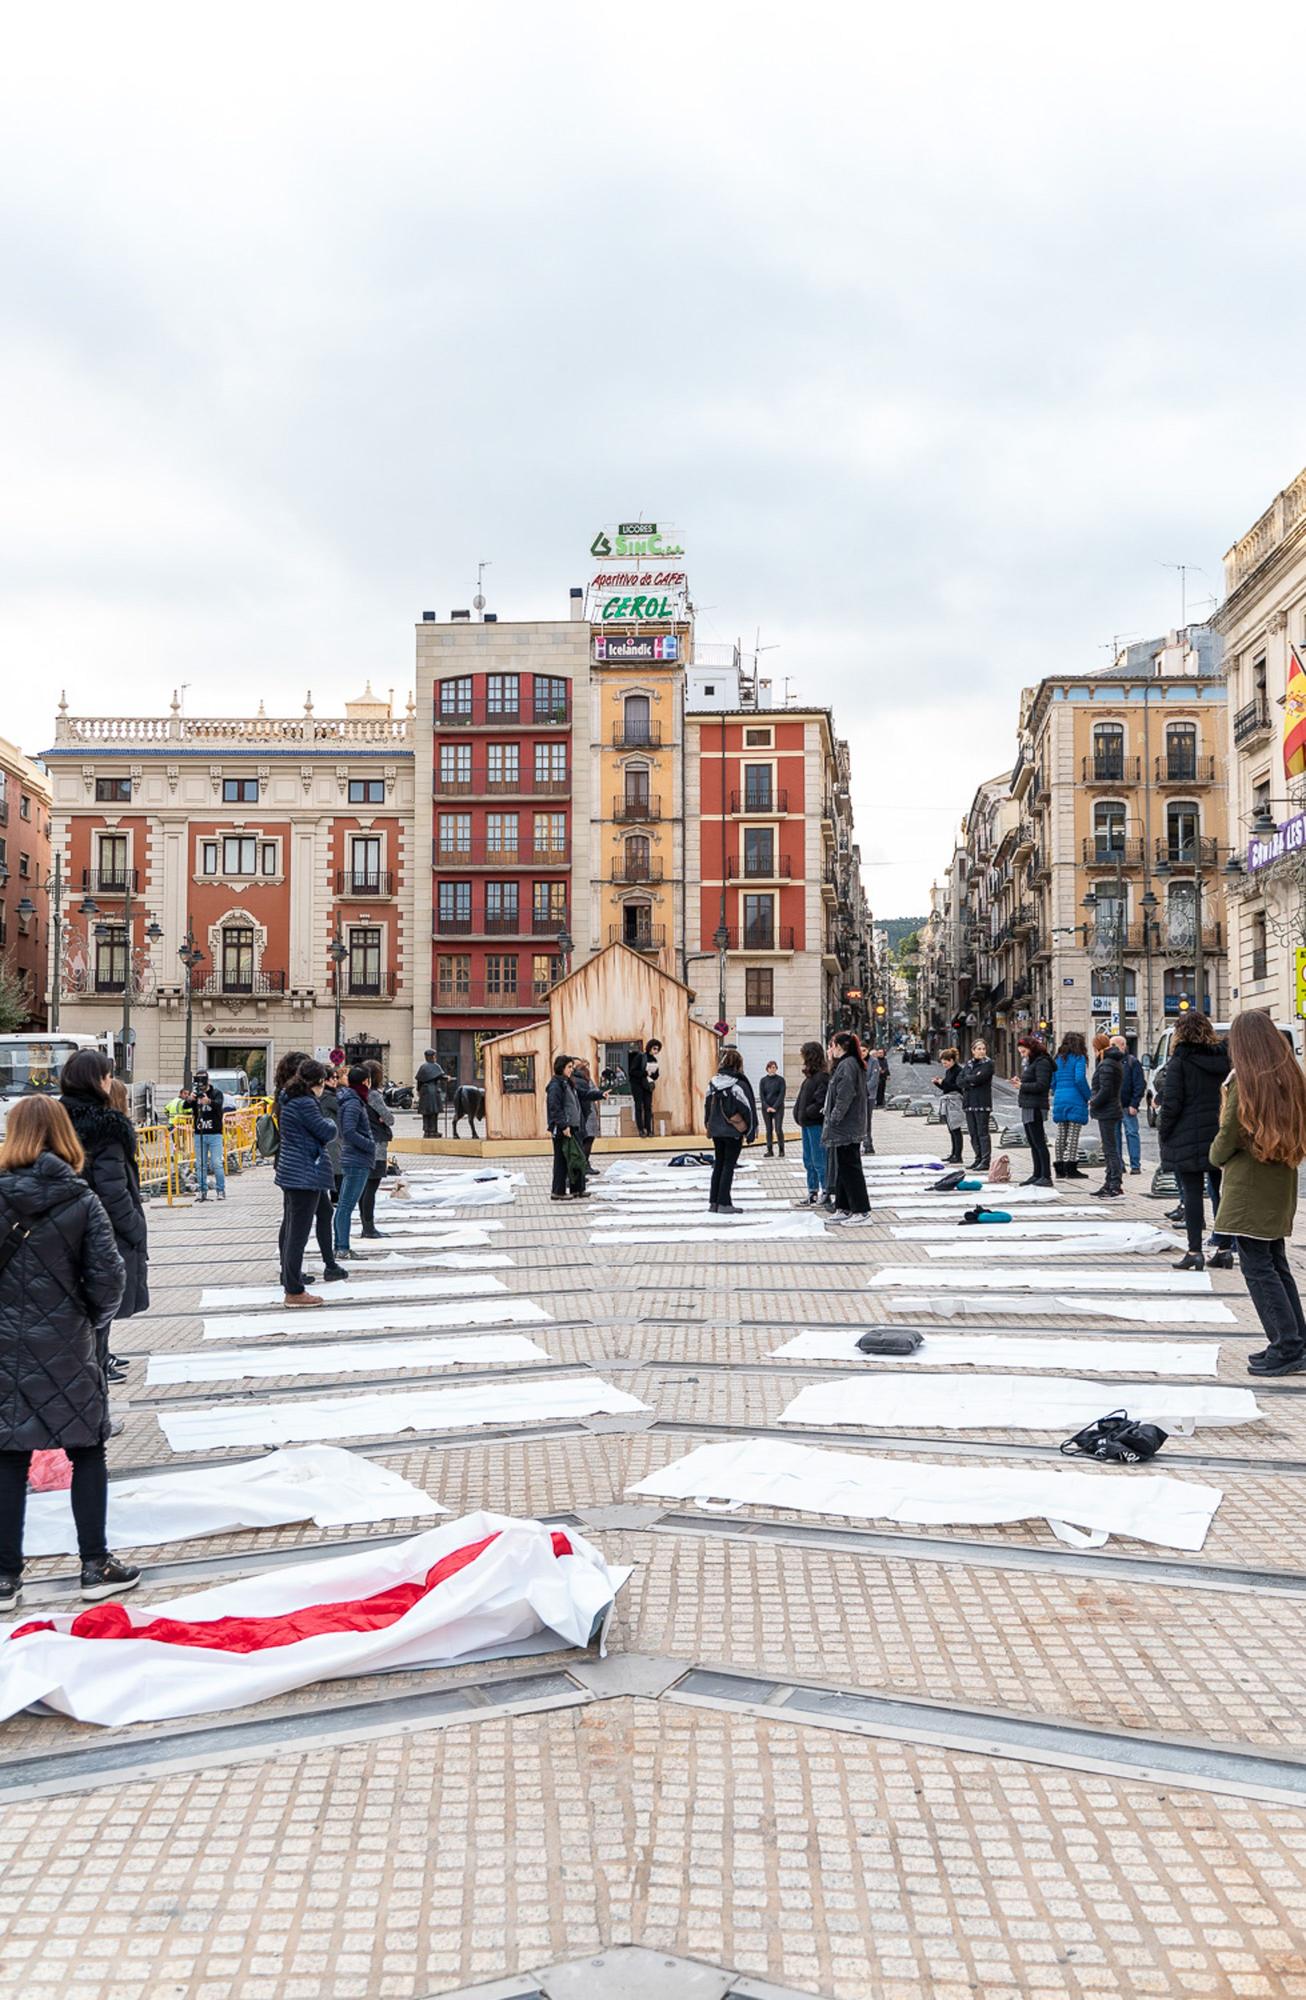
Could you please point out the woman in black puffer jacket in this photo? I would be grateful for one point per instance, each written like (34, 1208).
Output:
(1035, 1085)
(60, 1279)
(108, 1140)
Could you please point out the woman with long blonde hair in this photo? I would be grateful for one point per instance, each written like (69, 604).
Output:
(60, 1278)
(1260, 1146)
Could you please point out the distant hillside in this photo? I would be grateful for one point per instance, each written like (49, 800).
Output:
(897, 928)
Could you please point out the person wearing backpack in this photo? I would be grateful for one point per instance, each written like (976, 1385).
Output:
(61, 1280)
(977, 1103)
(730, 1118)
(1259, 1149)
(843, 1125)
(809, 1109)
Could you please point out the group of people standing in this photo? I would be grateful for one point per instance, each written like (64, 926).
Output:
(333, 1137)
(1063, 1087)
(833, 1111)
(571, 1111)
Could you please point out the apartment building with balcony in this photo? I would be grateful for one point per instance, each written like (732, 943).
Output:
(1261, 620)
(637, 884)
(504, 719)
(24, 873)
(272, 851)
(777, 926)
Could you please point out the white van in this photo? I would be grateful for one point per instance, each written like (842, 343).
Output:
(1290, 1030)
(33, 1062)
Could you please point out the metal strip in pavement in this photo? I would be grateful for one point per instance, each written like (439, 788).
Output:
(160, 1752)
(1152, 1570)
(1208, 1767)
(256, 1388)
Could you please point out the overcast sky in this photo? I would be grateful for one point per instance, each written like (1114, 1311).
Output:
(934, 333)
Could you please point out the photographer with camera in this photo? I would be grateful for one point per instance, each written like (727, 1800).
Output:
(202, 1103)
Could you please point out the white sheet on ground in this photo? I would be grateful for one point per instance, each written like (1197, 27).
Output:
(323, 1320)
(486, 1586)
(947, 1217)
(404, 1235)
(1035, 1279)
(432, 1260)
(363, 1290)
(314, 1482)
(448, 1191)
(1011, 1403)
(991, 1350)
(1146, 1312)
(740, 1232)
(1081, 1508)
(345, 1357)
(1136, 1239)
(1023, 1228)
(689, 1218)
(997, 1196)
(550, 1399)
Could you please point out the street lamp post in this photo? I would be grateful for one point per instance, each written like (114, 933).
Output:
(337, 953)
(56, 936)
(191, 956)
(721, 940)
(566, 945)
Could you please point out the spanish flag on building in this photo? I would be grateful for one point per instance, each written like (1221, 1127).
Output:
(1294, 718)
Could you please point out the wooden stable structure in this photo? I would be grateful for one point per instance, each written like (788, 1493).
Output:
(616, 997)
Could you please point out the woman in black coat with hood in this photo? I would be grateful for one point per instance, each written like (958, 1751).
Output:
(60, 1279)
(1190, 1118)
(108, 1139)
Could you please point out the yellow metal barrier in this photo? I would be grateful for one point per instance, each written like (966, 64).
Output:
(165, 1154)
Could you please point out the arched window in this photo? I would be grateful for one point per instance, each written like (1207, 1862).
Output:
(1109, 752)
(1108, 828)
(1182, 828)
(1181, 753)
(638, 863)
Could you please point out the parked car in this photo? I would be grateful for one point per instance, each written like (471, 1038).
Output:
(1155, 1065)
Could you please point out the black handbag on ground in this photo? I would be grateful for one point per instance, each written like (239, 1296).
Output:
(949, 1182)
(890, 1340)
(1118, 1440)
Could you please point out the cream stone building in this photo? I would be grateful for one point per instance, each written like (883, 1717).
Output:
(1262, 618)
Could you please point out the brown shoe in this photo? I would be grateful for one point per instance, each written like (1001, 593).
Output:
(302, 1299)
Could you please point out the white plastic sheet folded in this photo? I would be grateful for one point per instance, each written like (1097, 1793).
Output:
(479, 1587)
(363, 1290)
(448, 1191)
(322, 1321)
(344, 1357)
(431, 1260)
(991, 1350)
(508, 1401)
(1011, 1403)
(1081, 1508)
(315, 1482)
(740, 1232)
(1136, 1239)
(405, 1235)
(1145, 1312)
(1036, 1279)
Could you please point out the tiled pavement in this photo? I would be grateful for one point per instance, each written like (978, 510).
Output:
(415, 1862)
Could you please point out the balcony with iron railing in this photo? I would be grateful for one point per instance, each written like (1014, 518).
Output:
(1186, 853)
(635, 807)
(1098, 770)
(759, 868)
(1183, 770)
(109, 881)
(1252, 719)
(1022, 920)
(522, 923)
(648, 937)
(760, 937)
(480, 782)
(366, 882)
(635, 871)
(759, 800)
(476, 996)
(1105, 850)
(637, 735)
(234, 982)
(479, 712)
(482, 854)
(360, 987)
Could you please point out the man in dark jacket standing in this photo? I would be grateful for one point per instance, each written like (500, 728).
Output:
(771, 1093)
(977, 1103)
(429, 1080)
(641, 1073)
(1105, 1105)
(203, 1105)
(1191, 1109)
(1133, 1089)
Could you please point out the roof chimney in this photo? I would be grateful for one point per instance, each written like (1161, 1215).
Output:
(460, 617)
(428, 618)
(577, 603)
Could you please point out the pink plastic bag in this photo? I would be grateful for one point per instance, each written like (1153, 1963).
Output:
(50, 1472)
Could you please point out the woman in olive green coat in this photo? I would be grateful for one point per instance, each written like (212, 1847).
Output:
(1260, 1145)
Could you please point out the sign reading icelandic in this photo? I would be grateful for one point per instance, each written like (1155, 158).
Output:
(635, 538)
(630, 646)
(1290, 838)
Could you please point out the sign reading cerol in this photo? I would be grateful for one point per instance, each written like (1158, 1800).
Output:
(635, 538)
(638, 607)
(1263, 848)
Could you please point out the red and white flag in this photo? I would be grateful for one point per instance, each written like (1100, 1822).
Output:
(482, 1585)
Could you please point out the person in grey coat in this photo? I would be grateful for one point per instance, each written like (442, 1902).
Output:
(563, 1116)
(844, 1127)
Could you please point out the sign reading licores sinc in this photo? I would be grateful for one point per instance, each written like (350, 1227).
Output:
(635, 538)
(632, 587)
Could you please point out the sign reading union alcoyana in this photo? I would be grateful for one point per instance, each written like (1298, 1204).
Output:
(635, 538)
(1290, 838)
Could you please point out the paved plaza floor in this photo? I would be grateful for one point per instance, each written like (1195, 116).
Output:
(822, 1757)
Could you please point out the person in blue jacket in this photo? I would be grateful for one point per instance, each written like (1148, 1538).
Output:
(1133, 1091)
(1070, 1094)
(357, 1153)
(304, 1172)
